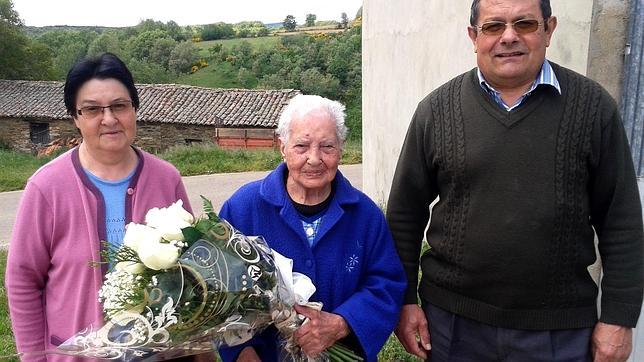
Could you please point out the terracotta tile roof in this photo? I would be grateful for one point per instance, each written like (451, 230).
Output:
(31, 99)
(166, 103)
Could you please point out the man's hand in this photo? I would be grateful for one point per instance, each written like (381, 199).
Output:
(248, 354)
(320, 332)
(412, 330)
(611, 343)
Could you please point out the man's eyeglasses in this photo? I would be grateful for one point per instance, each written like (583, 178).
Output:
(120, 108)
(523, 26)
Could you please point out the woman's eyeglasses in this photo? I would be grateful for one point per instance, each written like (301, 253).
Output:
(523, 26)
(120, 108)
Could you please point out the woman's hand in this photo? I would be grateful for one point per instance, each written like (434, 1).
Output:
(320, 332)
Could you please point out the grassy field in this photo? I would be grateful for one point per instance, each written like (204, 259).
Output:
(263, 42)
(7, 346)
(223, 74)
(16, 167)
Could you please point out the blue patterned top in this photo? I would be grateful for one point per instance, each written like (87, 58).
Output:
(114, 197)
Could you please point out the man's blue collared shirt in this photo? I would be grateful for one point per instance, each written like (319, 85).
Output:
(546, 77)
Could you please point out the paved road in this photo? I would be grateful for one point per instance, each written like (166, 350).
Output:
(216, 187)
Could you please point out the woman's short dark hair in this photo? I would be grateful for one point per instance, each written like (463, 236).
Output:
(546, 12)
(104, 66)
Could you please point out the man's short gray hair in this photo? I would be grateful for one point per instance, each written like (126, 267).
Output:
(301, 105)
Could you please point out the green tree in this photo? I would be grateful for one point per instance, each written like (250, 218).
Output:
(267, 62)
(147, 72)
(149, 25)
(161, 50)
(105, 42)
(66, 48)
(243, 33)
(275, 81)
(246, 29)
(217, 31)
(66, 57)
(13, 47)
(139, 46)
(344, 21)
(243, 54)
(183, 56)
(310, 19)
(8, 15)
(20, 58)
(246, 78)
(216, 50)
(176, 32)
(314, 82)
(289, 23)
(263, 31)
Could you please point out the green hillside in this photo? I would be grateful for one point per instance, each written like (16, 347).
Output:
(216, 75)
(264, 42)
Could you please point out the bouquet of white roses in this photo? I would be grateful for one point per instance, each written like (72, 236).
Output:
(180, 286)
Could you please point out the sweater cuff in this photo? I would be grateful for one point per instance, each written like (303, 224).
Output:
(620, 314)
(411, 296)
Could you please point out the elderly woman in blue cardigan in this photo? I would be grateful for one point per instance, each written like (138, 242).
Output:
(308, 211)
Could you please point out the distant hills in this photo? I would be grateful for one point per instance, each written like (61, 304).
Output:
(38, 30)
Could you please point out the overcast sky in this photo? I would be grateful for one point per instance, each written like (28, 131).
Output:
(183, 12)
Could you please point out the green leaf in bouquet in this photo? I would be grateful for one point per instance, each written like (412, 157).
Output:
(113, 254)
(191, 234)
(203, 225)
(219, 231)
(208, 209)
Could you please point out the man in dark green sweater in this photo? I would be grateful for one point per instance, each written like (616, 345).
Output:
(528, 161)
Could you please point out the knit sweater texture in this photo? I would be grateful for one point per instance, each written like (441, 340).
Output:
(520, 195)
(51, 287)
(353, 263)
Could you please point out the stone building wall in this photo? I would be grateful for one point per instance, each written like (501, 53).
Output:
(156, 137)
(152, 137)
(15, 132)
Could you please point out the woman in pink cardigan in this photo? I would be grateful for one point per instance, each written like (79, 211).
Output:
(74, 202)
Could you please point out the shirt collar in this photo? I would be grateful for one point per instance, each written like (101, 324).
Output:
(545, 77)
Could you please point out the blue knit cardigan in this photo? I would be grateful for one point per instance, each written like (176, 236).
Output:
(353, 263)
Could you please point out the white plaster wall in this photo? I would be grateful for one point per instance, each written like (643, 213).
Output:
(410, 47)
(571, 40)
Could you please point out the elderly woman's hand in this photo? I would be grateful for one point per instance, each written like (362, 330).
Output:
(320, 332)
(248, 354)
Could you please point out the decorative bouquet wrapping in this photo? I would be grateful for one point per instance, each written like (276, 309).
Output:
(179, 286)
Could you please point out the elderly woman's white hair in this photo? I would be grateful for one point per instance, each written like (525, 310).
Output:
(301, 105)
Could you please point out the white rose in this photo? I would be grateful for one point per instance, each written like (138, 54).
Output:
(170, 220)
(135, 233)
(130, 267)
(157, 255)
